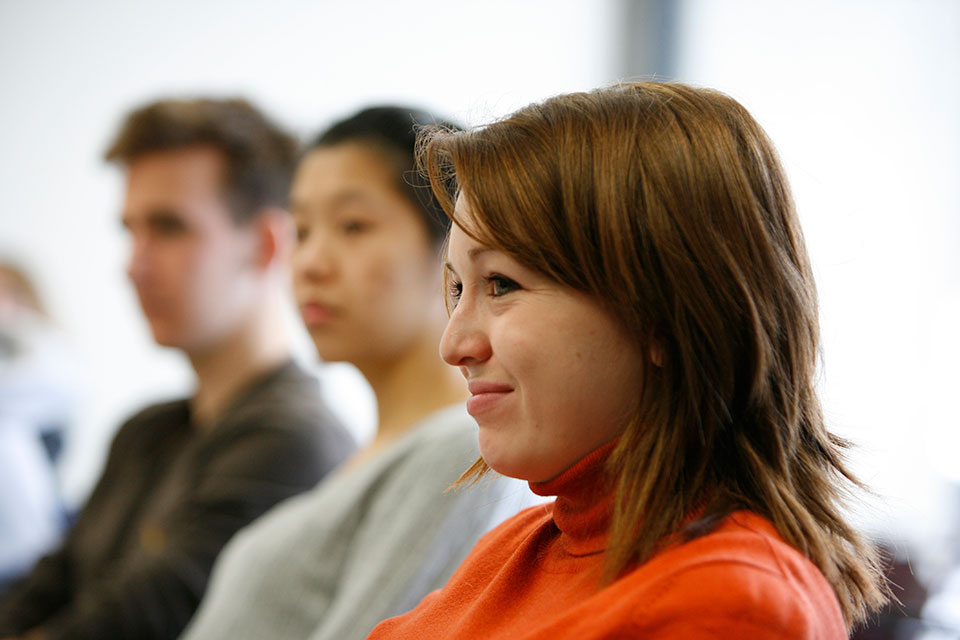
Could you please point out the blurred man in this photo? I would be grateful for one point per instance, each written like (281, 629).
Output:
(206, 185)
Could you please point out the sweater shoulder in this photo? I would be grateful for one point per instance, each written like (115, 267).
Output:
(286, 405)
(288, 399)
(151, 424)
(742, 575)
(743, 543)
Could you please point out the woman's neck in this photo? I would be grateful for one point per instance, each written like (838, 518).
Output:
(411, 386)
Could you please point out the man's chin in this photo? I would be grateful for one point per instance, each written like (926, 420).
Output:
(164, 337)
(168, 344)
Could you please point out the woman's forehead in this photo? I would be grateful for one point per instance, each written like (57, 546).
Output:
(462, 246)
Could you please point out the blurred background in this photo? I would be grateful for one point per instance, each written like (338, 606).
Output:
(862, 98)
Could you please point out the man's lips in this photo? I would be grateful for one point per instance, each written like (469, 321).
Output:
(485, 396)
(315, 313)
(153, 305)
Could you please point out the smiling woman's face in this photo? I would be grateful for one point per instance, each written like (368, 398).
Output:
(552, 375)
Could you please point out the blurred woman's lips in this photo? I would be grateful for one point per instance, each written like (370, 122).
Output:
(315, 314)
(485, 396)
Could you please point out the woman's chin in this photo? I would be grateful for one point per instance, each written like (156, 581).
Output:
(496, 460)
(505, 465)
(509, 472)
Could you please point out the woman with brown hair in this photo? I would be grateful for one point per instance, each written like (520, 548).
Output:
(634, 310)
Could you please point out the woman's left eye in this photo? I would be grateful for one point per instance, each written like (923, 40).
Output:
(302, 232)
(500, 285)
(454, 291)
(351, 227)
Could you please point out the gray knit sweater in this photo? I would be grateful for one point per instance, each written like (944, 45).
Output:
(364, 545)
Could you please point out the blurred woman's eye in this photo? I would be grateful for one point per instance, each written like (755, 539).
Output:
(351, 227)
(302, 232)
(500, 285)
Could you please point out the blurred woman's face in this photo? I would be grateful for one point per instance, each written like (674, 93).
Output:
(552, 375)
(364, 268)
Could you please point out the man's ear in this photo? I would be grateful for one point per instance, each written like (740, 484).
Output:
(274, 232)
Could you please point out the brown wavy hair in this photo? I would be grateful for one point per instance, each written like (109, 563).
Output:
(259, 156)
(669, 204)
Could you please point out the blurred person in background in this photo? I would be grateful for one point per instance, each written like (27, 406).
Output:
(372, 540)
(633, 306)
(38, 392)
(207, 185)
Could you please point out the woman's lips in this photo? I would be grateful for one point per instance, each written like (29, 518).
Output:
(315, 314)
(485, 396)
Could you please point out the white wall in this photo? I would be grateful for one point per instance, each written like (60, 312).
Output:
(70, 70)
(862, 98)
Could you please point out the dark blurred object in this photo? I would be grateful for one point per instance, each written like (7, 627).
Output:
(898, 621)
(911, 618)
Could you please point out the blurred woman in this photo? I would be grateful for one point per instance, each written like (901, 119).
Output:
(633, 307)
(373, 540)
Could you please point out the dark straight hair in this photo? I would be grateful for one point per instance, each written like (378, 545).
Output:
(392, 131)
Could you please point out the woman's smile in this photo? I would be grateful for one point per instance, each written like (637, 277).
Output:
(486, 396)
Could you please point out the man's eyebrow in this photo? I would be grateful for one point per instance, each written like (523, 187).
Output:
(159, 216)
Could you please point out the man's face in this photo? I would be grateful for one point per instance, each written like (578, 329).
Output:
(192, 266)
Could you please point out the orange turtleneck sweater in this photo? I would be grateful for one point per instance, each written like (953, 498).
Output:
(538, 576)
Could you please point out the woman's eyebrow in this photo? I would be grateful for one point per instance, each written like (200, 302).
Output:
(476, 251)
(348, 197)
(338, 200)
(472, 254)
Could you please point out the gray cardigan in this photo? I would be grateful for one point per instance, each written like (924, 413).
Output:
(365, 545)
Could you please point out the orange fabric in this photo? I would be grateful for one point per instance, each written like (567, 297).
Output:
(538, 576)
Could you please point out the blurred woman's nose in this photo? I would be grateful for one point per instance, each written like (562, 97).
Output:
(465, 341)
(313, 258)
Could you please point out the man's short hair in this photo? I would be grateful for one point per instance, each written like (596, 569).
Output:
(259, 156)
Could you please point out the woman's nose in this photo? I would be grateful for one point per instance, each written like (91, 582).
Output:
(465, 341)
(313, 258)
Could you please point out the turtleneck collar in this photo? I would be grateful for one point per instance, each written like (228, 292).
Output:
(584, 503)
